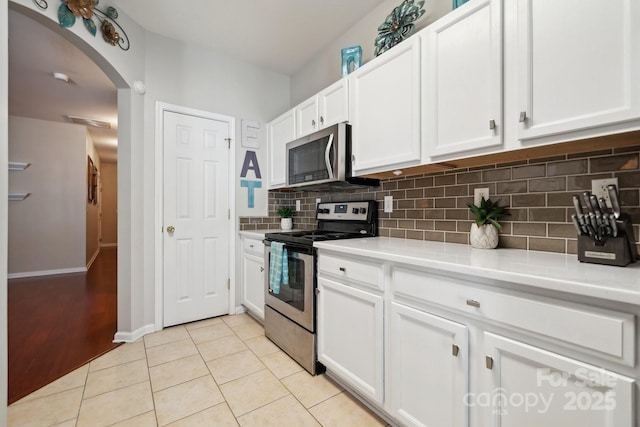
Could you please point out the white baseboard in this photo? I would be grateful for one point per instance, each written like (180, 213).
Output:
(46, 272)
(93, 258)
(240, 309)
(135, 335)
(108, 245)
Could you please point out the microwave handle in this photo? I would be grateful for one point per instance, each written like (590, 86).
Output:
(327, 160)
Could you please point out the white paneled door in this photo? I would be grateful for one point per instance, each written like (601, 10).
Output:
(196, 218)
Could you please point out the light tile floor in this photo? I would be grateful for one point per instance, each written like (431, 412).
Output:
(217, 372)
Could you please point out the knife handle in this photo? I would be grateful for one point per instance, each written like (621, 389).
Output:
(577, 205)
(587, 200)
(613, 197)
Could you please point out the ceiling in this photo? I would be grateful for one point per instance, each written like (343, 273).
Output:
(279, 35)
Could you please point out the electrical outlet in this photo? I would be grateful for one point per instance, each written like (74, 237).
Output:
(297, 205)
(478, 194)
(388, 204)
(599, 188)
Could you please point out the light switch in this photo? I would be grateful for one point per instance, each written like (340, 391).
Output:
(297, 205)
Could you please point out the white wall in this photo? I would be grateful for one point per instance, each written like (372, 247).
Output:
(4, 96)
(109, 203)
(326, 67)
(47, 229)
(189, 76)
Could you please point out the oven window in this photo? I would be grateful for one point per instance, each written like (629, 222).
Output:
(293, 293)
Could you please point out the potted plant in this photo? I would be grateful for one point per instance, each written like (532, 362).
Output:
(286, 223)
(484, 230)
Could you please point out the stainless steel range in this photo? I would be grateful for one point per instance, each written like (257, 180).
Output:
(290, 308)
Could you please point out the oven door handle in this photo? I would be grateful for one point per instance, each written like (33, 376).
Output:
(327, 160)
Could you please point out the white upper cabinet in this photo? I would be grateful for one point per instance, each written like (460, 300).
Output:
(384, 110)
(327, 108)
(279, 131)
(462, 81)
(577, 65)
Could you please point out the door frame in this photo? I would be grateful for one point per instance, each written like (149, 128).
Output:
(161, 108)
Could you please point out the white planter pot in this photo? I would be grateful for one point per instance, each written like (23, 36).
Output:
(286, 223)
(483, 237)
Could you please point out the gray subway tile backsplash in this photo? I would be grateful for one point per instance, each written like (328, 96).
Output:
(538, 193)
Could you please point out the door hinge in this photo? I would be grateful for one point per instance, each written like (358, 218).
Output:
(228, 213)
(228, 283)
(228, 142)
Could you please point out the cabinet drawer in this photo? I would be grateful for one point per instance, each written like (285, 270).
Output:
(253, 246)
(357, 270)
(607, 333)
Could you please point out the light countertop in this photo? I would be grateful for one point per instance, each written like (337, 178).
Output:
(545, 270)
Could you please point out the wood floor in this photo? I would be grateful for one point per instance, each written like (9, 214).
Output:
(58, 323)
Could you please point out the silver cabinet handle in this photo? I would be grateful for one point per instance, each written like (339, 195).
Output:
(321, 121)
(455, 350)
(473, 303)
(261, 269)
(313, 123)
(523, 117)
(344, 270)
(488, 360)
(492, 124)
(250, 246)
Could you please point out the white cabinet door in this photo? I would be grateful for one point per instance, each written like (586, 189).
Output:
(333, 104)
(307, 117)
(532, 387)
(280, 131)
(350, 336)
(578, 64)
(462, 81)
(253, 286)
(428, 368)
(327, 108)
(384, 110)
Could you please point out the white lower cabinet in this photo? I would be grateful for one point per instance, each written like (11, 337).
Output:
(534, 387)
(427, 369)
(428, 349)
(253, 287)
(350, 336)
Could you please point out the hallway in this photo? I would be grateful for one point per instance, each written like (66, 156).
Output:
(58, 323)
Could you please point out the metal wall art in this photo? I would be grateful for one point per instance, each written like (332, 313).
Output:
(87, 10)
(398, 25)
(351, 59)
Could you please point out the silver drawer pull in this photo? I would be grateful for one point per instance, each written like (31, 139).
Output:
(488, 360)
(250, 246)
(492, 124)
(473, 303)
(455, 350)
(523, 117)
(344, 270)
(261, 269)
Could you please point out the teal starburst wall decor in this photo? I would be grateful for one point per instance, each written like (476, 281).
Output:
(87, 10)
(398, 26)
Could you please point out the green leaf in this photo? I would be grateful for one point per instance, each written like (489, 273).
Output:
(65, 16)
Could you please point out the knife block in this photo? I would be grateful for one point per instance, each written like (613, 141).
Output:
(620, 250)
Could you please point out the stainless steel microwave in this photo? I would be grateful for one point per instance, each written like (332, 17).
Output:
(322, 160)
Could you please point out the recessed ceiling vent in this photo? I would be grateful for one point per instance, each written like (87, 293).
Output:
(88, 122)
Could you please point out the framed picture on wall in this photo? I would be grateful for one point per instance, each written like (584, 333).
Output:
(92, 182)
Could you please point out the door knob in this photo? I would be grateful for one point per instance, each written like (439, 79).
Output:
(171, 229)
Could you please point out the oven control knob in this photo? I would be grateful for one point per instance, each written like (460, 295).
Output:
(355, 210)
(325, 211)
(363, 210)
